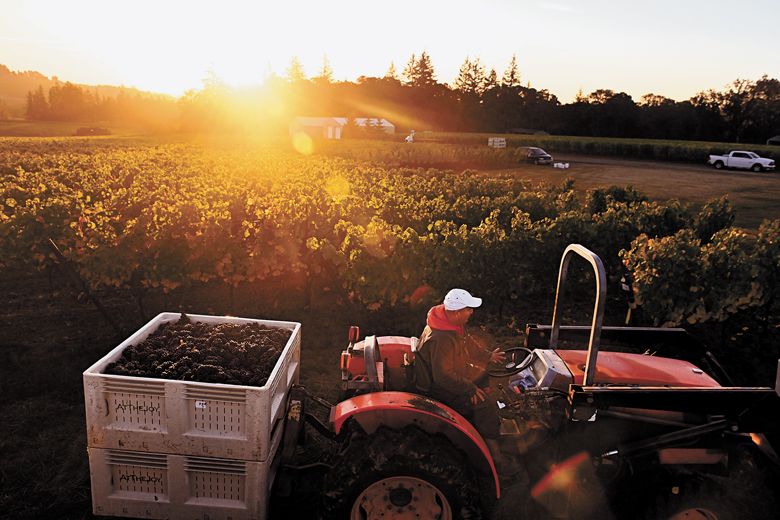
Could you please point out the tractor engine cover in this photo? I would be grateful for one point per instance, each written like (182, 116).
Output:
(394, 357)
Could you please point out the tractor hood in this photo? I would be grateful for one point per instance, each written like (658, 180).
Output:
(620, 368)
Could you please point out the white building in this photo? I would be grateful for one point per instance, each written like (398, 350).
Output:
(319, 127)
(333, 127)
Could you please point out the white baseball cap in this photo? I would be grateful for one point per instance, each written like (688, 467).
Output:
(458, 299)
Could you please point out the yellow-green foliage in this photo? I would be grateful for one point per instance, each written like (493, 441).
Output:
(149, 214)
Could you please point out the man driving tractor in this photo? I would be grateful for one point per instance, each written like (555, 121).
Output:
(450, 367)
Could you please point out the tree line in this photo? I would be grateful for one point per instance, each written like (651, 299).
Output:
(478, 100)
(69, 102)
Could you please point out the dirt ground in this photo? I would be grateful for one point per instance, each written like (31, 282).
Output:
(48, 337)
(49, 334)
(756, 196)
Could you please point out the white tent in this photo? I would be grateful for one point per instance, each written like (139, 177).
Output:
(384, 124)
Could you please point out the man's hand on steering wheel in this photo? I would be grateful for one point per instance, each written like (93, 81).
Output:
(514, 360)
(497, 356)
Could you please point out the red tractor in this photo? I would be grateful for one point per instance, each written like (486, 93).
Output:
(600, 433)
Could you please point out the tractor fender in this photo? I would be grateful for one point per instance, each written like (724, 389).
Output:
(399, 409)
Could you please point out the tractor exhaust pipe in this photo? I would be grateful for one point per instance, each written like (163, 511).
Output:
(354, 335)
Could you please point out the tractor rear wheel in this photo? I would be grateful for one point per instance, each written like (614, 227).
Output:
(400, 474)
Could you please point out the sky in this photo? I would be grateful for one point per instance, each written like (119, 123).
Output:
(672, 48)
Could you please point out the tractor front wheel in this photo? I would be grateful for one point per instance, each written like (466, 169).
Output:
(400, 474)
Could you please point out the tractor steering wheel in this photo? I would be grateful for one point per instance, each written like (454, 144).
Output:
(515, 362)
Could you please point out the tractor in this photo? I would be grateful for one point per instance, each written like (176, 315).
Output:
(619, 432)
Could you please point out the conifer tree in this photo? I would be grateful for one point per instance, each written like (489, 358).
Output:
(409, 70)
(511, 75)
(463, 80)
(471, 77)
(491, 81)
(424, 75)
(37, 106)
(391, 72)
(325, 74)
(295, 70)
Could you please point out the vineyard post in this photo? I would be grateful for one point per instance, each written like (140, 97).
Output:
(79, 283)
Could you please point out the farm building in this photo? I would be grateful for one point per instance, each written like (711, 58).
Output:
(333, 127)
(774, 140)
(319, 127)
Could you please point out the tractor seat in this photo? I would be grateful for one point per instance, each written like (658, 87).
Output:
(388, 361)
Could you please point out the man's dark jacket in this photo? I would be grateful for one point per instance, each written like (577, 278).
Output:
(447, 362)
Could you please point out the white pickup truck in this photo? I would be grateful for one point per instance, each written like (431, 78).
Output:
(742, 160)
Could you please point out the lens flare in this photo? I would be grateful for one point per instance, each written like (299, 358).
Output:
(421, 293)
(571, 486)
(302, 143)
(377, 241)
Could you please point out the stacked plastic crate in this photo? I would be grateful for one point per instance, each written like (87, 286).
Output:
(177, 449)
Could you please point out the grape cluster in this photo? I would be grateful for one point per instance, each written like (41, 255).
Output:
(237, 354)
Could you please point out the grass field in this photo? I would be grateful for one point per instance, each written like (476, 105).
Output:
(688, 151)
(755, 196)
(23, 128)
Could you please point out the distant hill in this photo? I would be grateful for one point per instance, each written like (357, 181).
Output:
(14, 87)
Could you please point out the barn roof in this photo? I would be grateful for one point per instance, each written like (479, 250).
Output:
(319, 121)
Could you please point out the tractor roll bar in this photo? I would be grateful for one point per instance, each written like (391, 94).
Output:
(598, 308)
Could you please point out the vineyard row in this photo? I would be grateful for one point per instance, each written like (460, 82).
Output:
(135, 215)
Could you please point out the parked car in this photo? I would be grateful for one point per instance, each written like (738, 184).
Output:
(538, 156)
(743, 160)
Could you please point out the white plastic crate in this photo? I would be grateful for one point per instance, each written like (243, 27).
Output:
(189, 418)
(162, 485)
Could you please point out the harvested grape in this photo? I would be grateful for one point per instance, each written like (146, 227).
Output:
(230, 353)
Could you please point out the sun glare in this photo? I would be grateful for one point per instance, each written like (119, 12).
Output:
(302, 143)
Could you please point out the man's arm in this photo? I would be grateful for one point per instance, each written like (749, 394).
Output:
(445, 371)
(481, 354)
